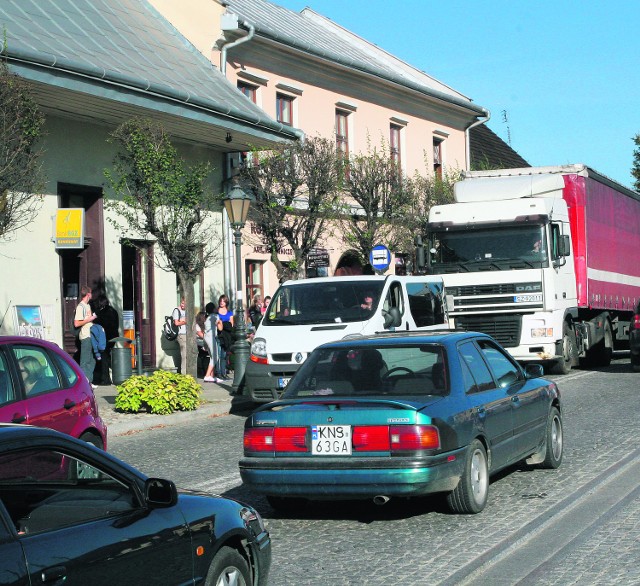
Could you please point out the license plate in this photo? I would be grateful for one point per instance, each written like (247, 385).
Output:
(331, 440)
(283, 381)
(527, 298)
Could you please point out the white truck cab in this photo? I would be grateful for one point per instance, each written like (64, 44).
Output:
(307, 313)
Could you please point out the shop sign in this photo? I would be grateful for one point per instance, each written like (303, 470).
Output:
(69, 228)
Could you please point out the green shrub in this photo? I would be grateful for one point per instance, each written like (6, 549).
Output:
(163, 392)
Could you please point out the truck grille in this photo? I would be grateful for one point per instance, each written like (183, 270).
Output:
(504, 328)
(495, 289)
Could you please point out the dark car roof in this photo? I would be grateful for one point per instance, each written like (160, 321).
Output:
(445, 337)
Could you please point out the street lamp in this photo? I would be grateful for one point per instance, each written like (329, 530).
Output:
(237, 205)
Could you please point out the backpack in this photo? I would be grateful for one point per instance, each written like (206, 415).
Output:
(169, 329)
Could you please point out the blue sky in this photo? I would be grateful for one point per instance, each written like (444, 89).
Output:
(567, 73)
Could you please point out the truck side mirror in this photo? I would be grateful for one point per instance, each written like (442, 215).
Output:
(564, 246)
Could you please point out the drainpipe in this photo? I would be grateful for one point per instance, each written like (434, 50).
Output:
(230, 22)
(467, 134)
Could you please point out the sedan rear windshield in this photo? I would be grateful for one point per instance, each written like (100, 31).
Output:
(408, 370)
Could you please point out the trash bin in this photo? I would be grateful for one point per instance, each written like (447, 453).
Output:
(120, 360)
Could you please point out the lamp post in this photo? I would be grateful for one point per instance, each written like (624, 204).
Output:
(237, 205)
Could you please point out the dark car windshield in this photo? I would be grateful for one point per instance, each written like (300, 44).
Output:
(363, 370)
(490, 249)
(317, 302)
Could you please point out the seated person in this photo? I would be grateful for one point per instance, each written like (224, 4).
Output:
(371, 368)
(367, 303)
(32, 372)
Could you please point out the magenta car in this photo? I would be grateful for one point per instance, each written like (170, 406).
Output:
(41, 385)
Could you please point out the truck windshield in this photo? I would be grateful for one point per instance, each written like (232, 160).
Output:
(489, 249)
(314, 302)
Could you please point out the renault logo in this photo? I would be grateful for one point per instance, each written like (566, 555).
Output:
(298, 357)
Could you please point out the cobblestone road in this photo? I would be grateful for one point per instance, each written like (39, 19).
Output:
(579, 524)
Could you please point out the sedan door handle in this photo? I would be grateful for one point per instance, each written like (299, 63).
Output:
(56, 574)
(18, 418)
(69, 404)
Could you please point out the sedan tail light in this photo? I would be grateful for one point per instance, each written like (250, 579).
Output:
(635, 322)
(365, 438)
(275, 439)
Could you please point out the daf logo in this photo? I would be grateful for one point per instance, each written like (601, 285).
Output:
(528, 287)
(298, 357)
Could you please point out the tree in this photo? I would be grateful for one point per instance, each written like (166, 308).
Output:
(379, 199)
(635, 170)
(20, 172)
(158, 195)
(296, 188)
(427, 192)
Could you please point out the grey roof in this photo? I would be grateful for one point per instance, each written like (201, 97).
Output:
(314, 34)
(125, 50)
(488, 150)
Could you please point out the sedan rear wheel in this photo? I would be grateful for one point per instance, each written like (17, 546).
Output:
(228, 567)
(554, 439)
(470, 496)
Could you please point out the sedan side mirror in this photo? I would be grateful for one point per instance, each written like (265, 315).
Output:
(159, 492)
(534, 370)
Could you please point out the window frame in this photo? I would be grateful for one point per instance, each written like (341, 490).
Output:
(284, 104)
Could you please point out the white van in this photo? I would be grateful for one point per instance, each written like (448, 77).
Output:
(307, 313)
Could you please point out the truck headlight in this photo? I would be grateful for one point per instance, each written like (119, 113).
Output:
(542, 333)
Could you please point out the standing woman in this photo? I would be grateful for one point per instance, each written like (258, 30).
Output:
(225, 326)
(210, 331)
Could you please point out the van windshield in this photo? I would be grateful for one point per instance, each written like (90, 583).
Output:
(321, 303)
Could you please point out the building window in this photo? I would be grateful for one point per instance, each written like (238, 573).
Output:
(248, 90)
(437, 158)
(342, 132)
(255, 279)
(284, 109)
(394, 144)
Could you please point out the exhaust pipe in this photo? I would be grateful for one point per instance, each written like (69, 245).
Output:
(380, 500)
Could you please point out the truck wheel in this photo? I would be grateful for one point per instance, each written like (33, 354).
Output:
(563, 366)
(600, 354)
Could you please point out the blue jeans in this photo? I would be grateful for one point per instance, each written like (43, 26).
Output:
(87, 360)
(221, 365)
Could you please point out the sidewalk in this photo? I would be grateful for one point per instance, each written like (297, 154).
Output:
(217, 401)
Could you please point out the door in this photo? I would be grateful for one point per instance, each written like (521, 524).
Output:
(138, 294)
(84, 266)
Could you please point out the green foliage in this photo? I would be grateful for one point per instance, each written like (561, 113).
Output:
(156, 195)
(21, 125)
(635, 169)
(163, 393)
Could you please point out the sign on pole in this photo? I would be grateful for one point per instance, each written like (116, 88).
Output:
(380, 257)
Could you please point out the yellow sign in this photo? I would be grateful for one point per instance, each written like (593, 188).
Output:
(70, 228)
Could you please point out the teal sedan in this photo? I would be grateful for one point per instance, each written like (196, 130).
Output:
(402, 415)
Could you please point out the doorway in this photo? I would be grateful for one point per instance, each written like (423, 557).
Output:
(84, 266)
(138, 292)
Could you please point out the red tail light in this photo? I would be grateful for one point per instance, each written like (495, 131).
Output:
(635, 322)
(258, 359)
(275, 439)
(258, 439)
(395, 438)
(414, 437)
(371, 438)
